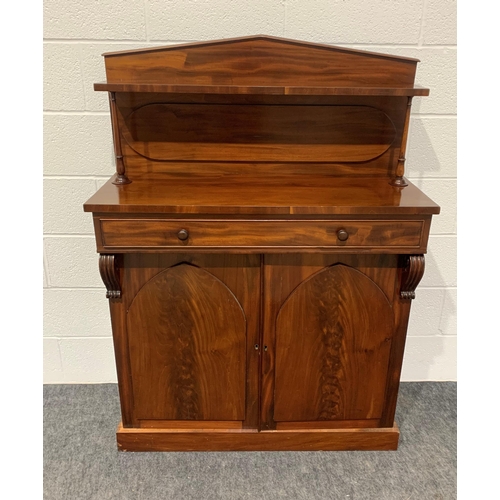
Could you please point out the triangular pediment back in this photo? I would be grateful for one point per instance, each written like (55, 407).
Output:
(259, 60)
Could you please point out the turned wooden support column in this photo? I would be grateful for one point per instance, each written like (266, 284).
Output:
(412, 274)
(121, 177)
(110, 276)
(399, 180)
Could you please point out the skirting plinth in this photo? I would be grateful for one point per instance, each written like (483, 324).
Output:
(133, 439)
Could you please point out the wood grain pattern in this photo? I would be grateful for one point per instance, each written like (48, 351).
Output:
(339, 359)
(109, 276)
(215, 132)
(239, 273)
(282, 274)
(305, 134)
(279, 195)
(365, 423)
(187, 336)
(392, 106)
(401, 309)
(260, 60)
(135, 234)
(121, 349)
(218, 440)
(276, 90)
(193, 425)
(413, 273)
(270, 67)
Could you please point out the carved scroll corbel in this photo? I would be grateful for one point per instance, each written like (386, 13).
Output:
(412, 274)
(110, 276)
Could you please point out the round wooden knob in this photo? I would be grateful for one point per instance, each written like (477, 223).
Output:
(183, 234)
(342, 234)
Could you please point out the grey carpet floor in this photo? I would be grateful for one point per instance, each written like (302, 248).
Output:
(81, 460)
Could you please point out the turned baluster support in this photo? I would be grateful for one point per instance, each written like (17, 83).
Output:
(399, 180)
(120, 177)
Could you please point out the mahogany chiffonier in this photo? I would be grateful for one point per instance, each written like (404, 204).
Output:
(259, 244)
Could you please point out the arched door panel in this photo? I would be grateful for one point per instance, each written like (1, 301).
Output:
(333, 339)
(187, 339)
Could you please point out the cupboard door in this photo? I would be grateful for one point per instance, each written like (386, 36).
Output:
(328, 328)
(192, 322)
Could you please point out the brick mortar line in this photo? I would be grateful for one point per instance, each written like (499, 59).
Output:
(49, 112)
(77, 177)
(433, 116)
(422, 23)
(68, 235)
(82, 79)
(78, 337)
(83, 288)
(46, 267)
(60, 353)
(440, 336)
(90, 41)
(146, 20)
(409, 46)
(285, 10)
(414, 178)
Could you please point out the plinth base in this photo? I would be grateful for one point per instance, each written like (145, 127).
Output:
(133, 439)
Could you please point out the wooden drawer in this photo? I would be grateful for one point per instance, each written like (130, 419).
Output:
(138, 234)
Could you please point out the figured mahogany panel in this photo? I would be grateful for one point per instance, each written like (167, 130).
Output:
(313, 195)
(187, 338)
(282, 274)
(150, 234)
(259, 61)
(197, 425)
(264, 136)
(367, 423)
(332, 348)
(214, 132)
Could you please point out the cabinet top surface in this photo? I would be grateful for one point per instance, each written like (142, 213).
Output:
(272, 195)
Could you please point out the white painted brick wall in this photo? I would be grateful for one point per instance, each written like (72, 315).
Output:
(355, 21)
(213, 19)
(77, 143)
(94, 20)
(78, 148)
(75, 313)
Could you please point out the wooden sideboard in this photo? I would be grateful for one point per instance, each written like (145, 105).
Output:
(260, 244)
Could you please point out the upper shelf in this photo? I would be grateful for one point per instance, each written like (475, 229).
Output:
(258, 90)
(260, 65)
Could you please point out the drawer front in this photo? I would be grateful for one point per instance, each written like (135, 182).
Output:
(164, 233)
